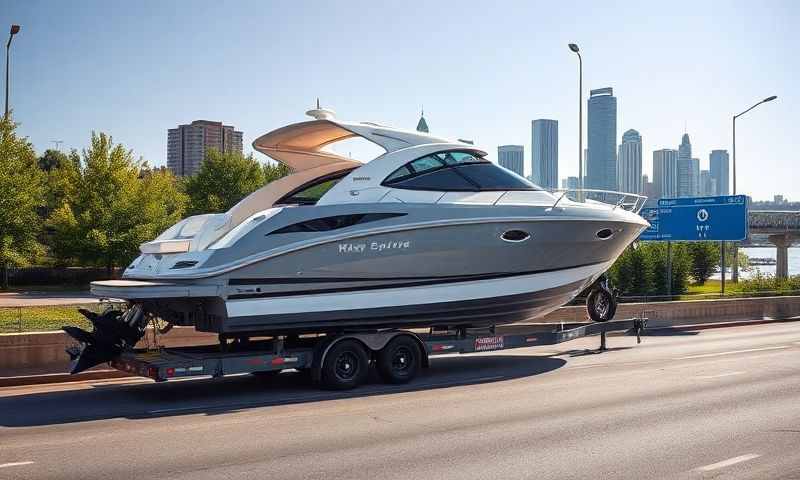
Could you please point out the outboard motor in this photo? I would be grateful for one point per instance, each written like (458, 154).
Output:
(113, 332)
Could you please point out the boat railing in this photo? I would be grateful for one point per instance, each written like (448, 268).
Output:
(632, 202)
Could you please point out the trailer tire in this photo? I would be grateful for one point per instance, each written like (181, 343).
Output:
(346, 365)
(400, 360)
(601, 305)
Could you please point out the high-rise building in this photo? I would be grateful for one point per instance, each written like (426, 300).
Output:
(512, 157)
(422, 125)
(688, 170)
(718, 161)
(544, 153)
(648, 190)
(187, 144)
(629, 163)
(601, 164)
(708, 187)
(665, 173)
(569, 183)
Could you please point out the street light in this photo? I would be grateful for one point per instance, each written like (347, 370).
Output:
(14, 31)
(736, 249)
(574, 48)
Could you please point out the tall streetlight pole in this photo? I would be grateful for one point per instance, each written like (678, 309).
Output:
(14, 31)
(574, 48)
(735, 276)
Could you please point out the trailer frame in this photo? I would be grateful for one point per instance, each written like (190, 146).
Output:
(309, 352)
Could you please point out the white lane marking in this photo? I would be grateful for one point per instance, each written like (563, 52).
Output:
(732, 352)
(14, 464)
(721, 375)
(582, 367)
(728, 462)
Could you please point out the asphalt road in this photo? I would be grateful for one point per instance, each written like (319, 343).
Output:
(722, 403)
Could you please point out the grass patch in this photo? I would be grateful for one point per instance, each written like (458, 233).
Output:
(44, 318)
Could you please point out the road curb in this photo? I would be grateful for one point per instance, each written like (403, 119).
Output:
(42, 379)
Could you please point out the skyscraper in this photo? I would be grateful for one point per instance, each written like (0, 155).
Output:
(665, 173)
(718, 161)
(708, 186)
(688, 170)
(601, 164)
(629, 163)
(187, 145)
(544, 154)
(512, 157)
(569, 183)
(422, 125)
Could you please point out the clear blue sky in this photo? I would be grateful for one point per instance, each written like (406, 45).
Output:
(482, 70)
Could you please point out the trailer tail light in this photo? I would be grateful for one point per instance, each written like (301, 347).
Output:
(170, 372)
(152, 372)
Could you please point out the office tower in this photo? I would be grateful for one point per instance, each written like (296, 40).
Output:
(718, 161)
(629, 163)
(512, 157)
(569, 183)
(708, 187)
(688, 170)
(601, 164)
(187, 144)
(544, 153)
(422, 125)
(665, 173)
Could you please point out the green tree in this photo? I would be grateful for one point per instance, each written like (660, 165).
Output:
(274, 171)
(115, 208)
(62, 182)
(21, 189)
(223, 180)
(705, 259)
(52, 159)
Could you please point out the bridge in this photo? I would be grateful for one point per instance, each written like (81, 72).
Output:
(782, 229)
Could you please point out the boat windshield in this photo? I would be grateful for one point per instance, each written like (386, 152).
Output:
(456, 171)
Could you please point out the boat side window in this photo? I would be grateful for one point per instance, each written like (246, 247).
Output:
(310, 193)
(456, 171)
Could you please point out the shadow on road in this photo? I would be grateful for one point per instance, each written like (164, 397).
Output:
(238, 393)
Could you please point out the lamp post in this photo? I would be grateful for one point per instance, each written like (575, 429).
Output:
(14, 31)
(574, 48)
(735, 275)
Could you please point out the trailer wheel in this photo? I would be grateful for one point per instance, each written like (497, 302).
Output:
(601, 305)
(399, 360)
(346, 366)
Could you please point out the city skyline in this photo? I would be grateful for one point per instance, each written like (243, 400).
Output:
(253, 79)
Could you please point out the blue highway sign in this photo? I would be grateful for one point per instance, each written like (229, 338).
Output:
(651, 215)
(697, 219)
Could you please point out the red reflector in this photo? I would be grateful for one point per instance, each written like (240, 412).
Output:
(278, 361)
(152, 372)
(170, 372)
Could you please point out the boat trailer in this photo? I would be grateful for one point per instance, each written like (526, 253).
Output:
(342, 360)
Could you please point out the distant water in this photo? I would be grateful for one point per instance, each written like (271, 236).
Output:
(768, 252)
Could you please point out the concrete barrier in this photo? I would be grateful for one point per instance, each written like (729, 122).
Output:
(664, 314)
(43, 352)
